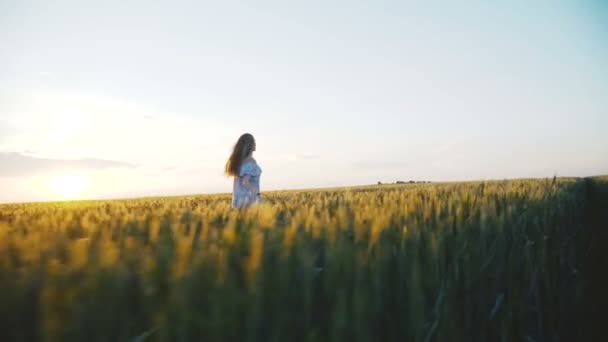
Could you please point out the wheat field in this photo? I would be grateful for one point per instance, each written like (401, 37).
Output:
(476, 261)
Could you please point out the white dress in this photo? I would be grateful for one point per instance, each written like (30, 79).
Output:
(241, 197)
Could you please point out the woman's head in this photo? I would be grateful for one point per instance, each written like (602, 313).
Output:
(243, 149)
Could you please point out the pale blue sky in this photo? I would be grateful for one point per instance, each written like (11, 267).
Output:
(147, 97)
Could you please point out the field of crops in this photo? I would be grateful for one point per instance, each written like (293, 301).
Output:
(492, 261)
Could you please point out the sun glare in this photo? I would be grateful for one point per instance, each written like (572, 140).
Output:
(68, 186)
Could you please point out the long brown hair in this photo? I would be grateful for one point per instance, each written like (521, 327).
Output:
(242, 149)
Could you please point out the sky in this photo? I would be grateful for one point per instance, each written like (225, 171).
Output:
(108, 99)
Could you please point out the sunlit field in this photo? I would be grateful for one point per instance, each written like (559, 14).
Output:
(491, 261)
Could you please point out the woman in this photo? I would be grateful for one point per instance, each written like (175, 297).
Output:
(246, 173)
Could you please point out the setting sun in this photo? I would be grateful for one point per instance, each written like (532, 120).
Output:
(68, 186)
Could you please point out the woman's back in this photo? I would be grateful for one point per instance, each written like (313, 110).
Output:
(246, 186)
(246, 172)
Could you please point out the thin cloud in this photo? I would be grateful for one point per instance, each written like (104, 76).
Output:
(302, 157)
(19, 165)
(381, 164)
(308, 156)
(6, 130)
(449, 145)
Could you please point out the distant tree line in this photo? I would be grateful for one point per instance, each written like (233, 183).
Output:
(404, 182)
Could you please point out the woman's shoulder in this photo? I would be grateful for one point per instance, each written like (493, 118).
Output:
(250, 166)
(250, 161)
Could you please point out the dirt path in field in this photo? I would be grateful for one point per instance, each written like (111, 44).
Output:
(594, 308)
